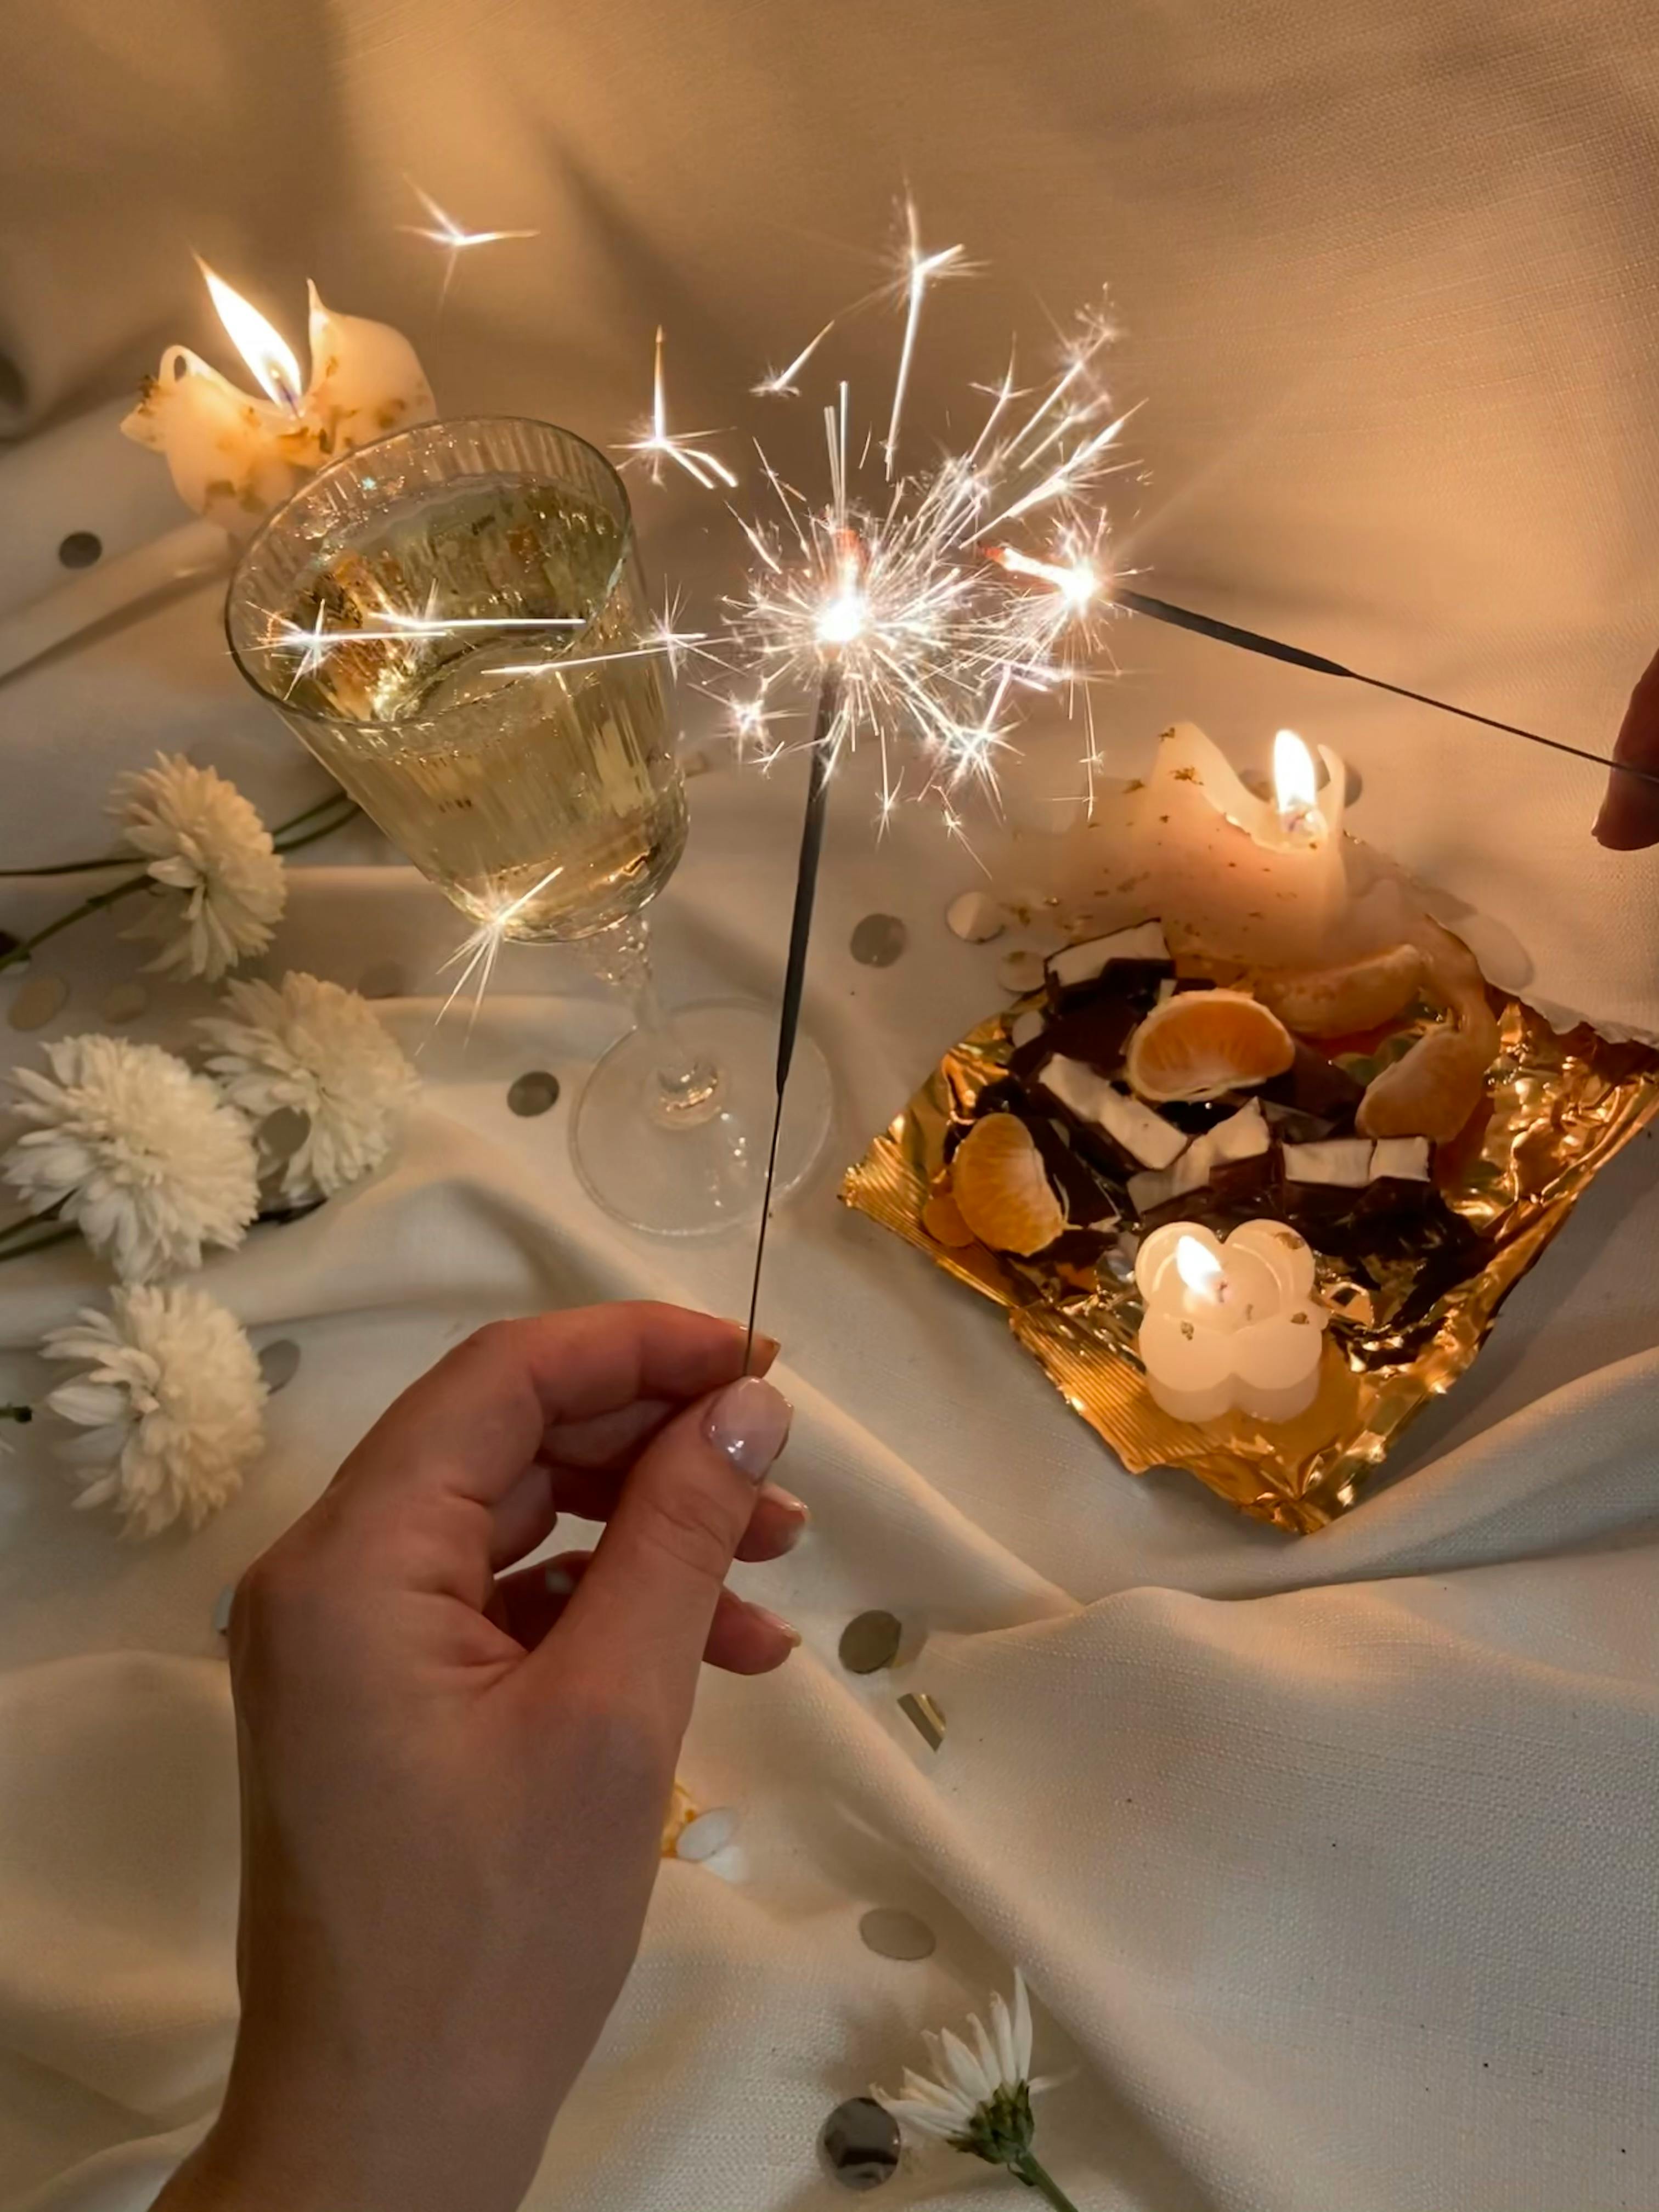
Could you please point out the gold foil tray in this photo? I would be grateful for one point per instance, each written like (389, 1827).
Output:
(1406, 1323)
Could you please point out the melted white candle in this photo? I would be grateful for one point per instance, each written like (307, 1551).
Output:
(231, 455)
(1258, 880)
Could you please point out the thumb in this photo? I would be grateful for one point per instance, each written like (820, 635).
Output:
(642, 1611)
(1630, 813)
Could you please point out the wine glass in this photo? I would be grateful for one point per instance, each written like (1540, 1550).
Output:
(454, 622)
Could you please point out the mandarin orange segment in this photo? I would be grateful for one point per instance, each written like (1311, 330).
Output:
(1200, 1043)
(1001, 1188)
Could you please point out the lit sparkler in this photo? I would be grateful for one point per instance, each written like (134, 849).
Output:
(445, 231)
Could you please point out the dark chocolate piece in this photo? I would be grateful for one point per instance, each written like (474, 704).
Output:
(1095, 1034)
(1076, 1185)
(1313, 1084)
(1133, 983)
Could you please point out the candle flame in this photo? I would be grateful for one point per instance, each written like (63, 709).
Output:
(1296, 781)
(261, 347)
(1198, 1267)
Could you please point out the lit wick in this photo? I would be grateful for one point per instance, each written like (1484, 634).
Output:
(1201, 1272)
(1296, 789)
(262, 348)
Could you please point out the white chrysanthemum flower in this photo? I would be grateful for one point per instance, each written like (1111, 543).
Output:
(220, 881)
(142, 1156)
(173, 1401)
(317, 1050)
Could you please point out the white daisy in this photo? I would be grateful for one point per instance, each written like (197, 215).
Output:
(142, 1156)
(220, 879)
(978, 2097)
(318, 1050)
(173, 1401)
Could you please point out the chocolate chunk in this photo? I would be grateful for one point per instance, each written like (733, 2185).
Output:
(1313, 1084)
(1095, 1034)
(1078, 1248)
(1196, 1117)
(1076, 1185)
(1297, 1129)
(1131, 982)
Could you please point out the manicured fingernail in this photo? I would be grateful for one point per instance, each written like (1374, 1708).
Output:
(749, 1422)
(786, 1629)
(794, 1510)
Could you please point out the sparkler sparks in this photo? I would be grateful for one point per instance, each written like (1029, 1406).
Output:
(920, 270)
(658, 444)
(445, 231)
(779, 383)
(933, 624)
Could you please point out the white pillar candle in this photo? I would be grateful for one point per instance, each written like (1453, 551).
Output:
(1230, 1327)
(233, 457)
(1258, 880)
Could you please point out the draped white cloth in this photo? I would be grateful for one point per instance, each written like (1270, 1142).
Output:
(1330, 1861)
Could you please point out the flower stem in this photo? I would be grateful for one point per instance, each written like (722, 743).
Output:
(322, 829)
(99, 899)
(15, 1250)
(1037, 2177)
(12, 954)
(119, 859)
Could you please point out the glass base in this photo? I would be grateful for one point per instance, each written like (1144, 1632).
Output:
(687, 1169)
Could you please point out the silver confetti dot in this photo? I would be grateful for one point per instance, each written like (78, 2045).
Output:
(384, 980)
(123, 1002)
(39, 998)
(879, 941)
(709, 1832)
(279, 1363)
(870, 1642)
(533, 1093)
(924, 1716)
(858, 2144)
(892, 1933)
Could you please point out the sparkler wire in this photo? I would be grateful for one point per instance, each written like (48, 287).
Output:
(1250, 640)
(800, 932)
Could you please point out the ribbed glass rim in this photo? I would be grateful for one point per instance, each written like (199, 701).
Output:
(449, 424)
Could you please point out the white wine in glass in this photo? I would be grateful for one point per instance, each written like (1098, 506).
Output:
(454, 622)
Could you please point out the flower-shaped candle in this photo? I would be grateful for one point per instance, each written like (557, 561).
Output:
(233, 457)
(1258, 880)
(1230, 1327)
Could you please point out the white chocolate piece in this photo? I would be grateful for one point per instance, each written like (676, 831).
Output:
(1026, 1026)
(1405, 1159)
(1143, 1133)
(1343, 1163)
(1081, 964)
(976, 917)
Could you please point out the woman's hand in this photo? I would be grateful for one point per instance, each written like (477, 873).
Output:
(1630, 813)
(454, 1779)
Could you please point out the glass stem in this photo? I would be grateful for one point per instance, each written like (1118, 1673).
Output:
(1037, 2177)
(687, 1089)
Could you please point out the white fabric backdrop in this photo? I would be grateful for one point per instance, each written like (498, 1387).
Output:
(1331, 1863)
